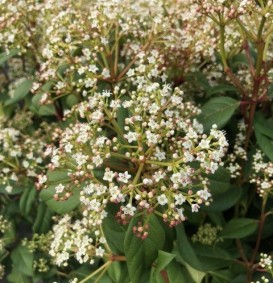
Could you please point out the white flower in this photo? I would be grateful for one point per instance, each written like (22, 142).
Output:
(204, 194)
(42, 179)
(124, 177)
(105, 73)
(131, 72)
(179, 199)
(162, 199)
(59, 189)
(93, 68)
(68, 147)
(97, 160)
(129, 209)
(108, 175)
(131, 137)
(9, 189)
(80, 158)
(204, 144)
(100, 252)
(195, 207)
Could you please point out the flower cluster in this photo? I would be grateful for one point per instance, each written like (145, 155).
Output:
(21, 152)
(238, 153)
(263, 174)
(74, 238)
(4, 228)
(142, 150)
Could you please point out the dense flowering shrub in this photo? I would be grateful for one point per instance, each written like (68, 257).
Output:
(136, 141)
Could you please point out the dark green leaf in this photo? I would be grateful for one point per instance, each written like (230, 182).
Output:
(218, 111)
(118, 272)
(230, 197)
(221, 88)
(113, 231)
(140, 254)
(219, 181)
(60, 207)
(22, 259)
(5, 56)
(263, 126)
(17, 276)
(239, 228)
(43, 219)
(185, 249)
(27, 199)
(20, 92)
(163, 259)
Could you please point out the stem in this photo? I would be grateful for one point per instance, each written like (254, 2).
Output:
(258, 241)
(164, 275)
(104, 266)
(124, 71)
(140, 168)
(222, 46)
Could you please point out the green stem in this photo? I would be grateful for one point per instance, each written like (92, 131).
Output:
(222, 46)
(102, 268)
(140, 168)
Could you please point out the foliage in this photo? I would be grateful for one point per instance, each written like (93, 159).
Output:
(136, 141)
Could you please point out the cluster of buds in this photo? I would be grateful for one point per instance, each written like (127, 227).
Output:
(207, 234)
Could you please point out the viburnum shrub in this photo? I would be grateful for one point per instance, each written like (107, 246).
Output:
(136, 141)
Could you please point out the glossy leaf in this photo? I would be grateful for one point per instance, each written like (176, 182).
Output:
(218, 111)
(239, 228)
(20, 92)
(22, 259)
(140, 254)
(7, 55)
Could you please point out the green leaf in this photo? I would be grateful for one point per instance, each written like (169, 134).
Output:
(178, 273)
(163, 259)
(218, 111)
(265, 144)
(185, 249)
(263, 126)
(239, 228)
(60, 207)
(39, 109)
(47, 195)
(221, 276)
(113, 231)
(20, 92)
(57, 176)
(221, 88)
(17, 276)
(212, 257)
(27, 199)
(22, 259)
(71, 100)
(264, 134)
(6, 56)
(118, 272)
(230, 197)
(42, 221)
(140, 254)
(219, 181)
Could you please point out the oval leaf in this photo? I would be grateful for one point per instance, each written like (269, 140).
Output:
(140, 254)
(218, 111)
(20, 92)
(239, 228)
